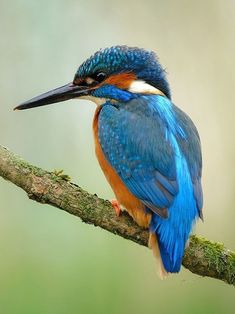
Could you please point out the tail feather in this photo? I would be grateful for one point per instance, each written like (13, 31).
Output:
(172, 260)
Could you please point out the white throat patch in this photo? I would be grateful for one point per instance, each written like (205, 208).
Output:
(141, 87)
(97, 100)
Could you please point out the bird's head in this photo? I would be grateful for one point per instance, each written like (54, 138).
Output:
(119, 73)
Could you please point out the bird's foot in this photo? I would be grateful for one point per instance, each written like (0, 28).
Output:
(116, 207)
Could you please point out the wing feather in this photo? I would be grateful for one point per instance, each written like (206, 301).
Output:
(133, 141)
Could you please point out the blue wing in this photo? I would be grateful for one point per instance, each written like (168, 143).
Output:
(133, 137)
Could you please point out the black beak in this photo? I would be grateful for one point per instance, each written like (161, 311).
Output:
(68, 91)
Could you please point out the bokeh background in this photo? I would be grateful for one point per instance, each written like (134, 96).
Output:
(50, 262)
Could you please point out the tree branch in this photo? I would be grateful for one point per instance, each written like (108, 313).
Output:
(202, 256)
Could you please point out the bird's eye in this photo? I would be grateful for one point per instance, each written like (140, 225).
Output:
(99, 76)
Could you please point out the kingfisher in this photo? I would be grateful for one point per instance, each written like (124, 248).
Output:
(148, 149)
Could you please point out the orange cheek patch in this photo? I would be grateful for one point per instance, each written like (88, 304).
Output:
(122, 80)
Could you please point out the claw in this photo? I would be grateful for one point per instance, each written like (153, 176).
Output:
(116, 207)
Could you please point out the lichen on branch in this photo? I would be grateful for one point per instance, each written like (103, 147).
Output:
(202, 257)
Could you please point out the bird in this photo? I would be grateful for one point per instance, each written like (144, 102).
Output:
(147, 147)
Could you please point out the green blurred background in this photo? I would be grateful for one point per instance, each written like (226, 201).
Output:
(50, 262)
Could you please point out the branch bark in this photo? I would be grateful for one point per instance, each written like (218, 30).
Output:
(202, 257)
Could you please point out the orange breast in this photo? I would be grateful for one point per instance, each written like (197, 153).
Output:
(132, 204)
